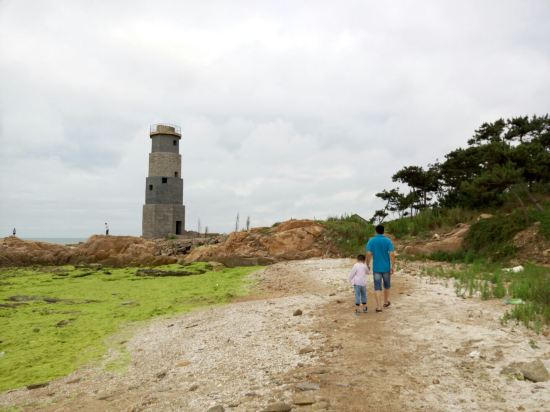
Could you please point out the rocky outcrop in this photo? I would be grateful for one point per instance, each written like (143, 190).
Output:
(294, 239)
(449, 242)
(182, 246)
(18, 252)
(120, 251)
(106, 250)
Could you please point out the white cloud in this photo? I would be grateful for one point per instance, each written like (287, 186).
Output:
(288, 109)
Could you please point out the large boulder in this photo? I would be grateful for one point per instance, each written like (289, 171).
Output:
(294, 239)
(534, 371)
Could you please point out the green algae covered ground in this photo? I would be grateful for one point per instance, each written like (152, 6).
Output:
(53, 320)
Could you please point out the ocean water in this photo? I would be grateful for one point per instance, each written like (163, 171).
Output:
(58, 240)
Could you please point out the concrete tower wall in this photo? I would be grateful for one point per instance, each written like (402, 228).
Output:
(164, 212)
(163, 190)
(164, 164)
(165, 143)
(161, 220)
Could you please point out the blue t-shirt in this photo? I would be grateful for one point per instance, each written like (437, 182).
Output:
(380, 247)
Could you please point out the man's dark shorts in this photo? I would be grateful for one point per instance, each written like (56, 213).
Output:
(379, 277)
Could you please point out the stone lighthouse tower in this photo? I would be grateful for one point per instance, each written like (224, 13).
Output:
(163, 211)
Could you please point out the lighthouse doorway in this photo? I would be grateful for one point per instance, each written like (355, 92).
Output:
(178, 227)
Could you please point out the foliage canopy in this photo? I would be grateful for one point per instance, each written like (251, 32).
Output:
(504, 159)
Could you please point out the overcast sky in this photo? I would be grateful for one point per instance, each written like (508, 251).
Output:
(287, 108)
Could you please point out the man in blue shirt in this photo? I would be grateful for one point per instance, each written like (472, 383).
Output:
(380, 250)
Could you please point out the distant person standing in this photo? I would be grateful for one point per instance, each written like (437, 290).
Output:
(106, 229)
(14, 232)
(380, 250)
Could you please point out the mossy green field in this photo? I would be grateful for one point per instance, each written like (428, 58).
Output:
(53, 320)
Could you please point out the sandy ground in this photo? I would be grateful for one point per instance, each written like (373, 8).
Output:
(430, 351)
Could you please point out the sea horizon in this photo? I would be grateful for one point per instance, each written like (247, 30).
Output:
(58, 240)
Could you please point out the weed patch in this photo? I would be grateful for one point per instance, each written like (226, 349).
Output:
(460, 256)
(488, 281)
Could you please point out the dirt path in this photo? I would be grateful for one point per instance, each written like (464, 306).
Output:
(430, 351)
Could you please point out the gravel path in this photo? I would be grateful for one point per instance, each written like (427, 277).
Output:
(430, 351)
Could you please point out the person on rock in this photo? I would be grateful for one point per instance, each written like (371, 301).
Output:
(381, 252)
(106, 229)
(358, 278)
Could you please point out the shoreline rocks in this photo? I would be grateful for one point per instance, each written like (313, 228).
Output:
(291, 240)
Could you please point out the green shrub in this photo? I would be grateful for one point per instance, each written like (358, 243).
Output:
(348, 233)
(544, 219)
(493, 237)
(429, 220)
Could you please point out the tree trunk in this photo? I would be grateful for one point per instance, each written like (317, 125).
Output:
(535, 201)
(412, 205)
(523, 208)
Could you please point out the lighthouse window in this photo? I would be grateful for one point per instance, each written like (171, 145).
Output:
(176, 174)
(150, 187)
(164, 180)
(175, 142)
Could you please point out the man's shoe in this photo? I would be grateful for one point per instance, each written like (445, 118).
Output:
(365, 310)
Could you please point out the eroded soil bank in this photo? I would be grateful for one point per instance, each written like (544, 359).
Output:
(431, 350)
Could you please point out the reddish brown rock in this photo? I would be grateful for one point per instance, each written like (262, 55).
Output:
(119, 251)
(294, 239)
(106, 250)
(19, 252)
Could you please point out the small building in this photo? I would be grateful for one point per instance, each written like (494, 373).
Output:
(163, 211)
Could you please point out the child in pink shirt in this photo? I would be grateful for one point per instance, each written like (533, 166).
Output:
(358, 278)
